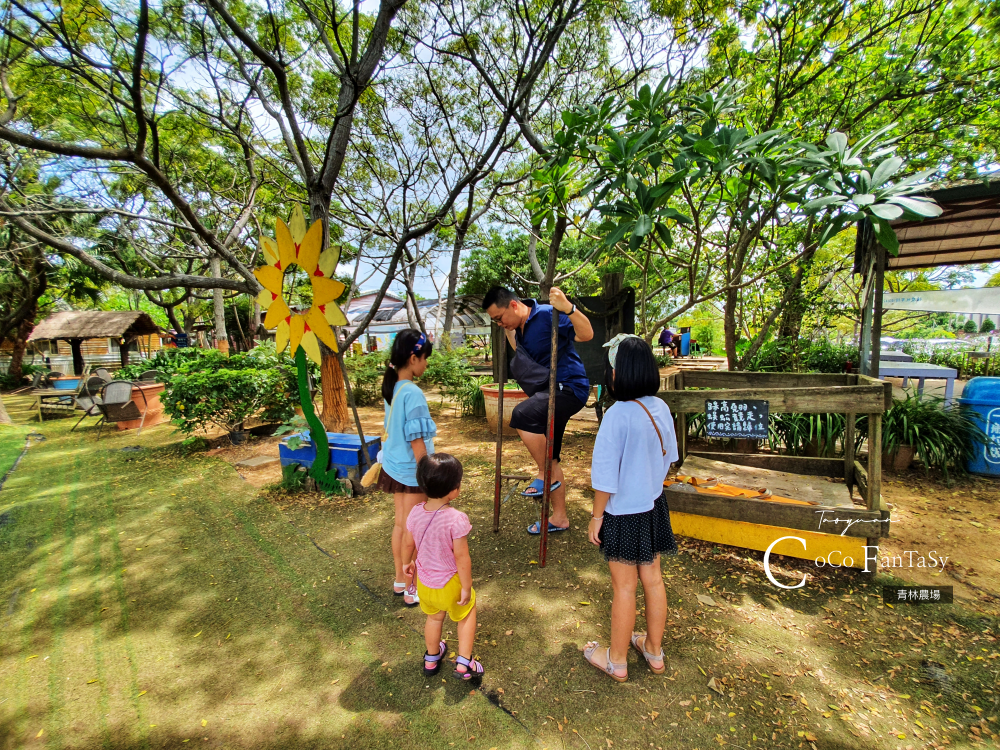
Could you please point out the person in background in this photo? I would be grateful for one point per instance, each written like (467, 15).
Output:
(630, 521)
(666, 341)
(443, 568)
(410, 432)
(528, 323)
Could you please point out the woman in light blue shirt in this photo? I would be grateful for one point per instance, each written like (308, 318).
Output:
(631, 522)
(410, 435)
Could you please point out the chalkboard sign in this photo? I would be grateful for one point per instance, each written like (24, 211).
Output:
(736, 419)
(182, 340)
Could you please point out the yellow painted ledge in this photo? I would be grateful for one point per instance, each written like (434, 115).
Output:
(836, 549)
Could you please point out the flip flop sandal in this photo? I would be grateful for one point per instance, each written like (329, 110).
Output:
(473, 669)
(539, 488)
(655, 662)
(536, 528)
(609, 668)
(398, 591)
(706, 482)
(436, 658)
(763, 493)
(410, 597)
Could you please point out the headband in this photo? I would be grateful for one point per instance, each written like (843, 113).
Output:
(614, 344)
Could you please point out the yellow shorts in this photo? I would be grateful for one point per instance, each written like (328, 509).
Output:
(433, 601)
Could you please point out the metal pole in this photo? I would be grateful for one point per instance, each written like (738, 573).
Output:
(500, 358)
(549, 437)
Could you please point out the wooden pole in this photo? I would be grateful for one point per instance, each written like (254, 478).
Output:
(549, 438)
(499, 366)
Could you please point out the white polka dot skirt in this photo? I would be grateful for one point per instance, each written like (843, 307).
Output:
(638, 538)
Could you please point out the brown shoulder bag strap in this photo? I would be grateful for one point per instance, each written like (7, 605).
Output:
(648, 414)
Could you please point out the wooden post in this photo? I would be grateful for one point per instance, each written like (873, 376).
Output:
(76, 345)
(874, 472)
(682, 424)
(549, 437)
(877, 310)
(850, 418)
(500, 368)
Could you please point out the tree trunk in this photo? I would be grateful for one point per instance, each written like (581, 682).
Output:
(335, 416)
(730, 328)
(122, 352)
(460, 233)
(221, 338)
(20, 345)
(256, 322)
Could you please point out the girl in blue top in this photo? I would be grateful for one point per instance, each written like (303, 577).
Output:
(409, 433)
(631, 522)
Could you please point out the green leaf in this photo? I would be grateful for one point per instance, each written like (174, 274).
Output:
(826, 200)
(837, 142)
(886, 211)
(661, 229)
(642, 226)
(865, 199)
(887, 238)
(885, 170)
(705, 147)
(920, 206)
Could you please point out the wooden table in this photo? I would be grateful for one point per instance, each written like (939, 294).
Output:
(895, 357)
(921, 371)
(53, 396)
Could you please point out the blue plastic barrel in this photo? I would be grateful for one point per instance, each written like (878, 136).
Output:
(982, 396)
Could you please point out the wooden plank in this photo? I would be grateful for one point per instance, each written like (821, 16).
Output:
(853, 522)
(850, 421)
(714, 379)
(886, 386)
(861, 479)
(831, 399)
(838, 550)
(820, 490)
(874, 461)
(823, 467)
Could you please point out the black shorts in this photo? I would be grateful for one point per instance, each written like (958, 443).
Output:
(532, 415)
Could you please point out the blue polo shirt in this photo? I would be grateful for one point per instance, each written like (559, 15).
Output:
(537, 341)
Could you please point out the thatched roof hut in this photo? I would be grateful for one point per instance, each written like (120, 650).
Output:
(76, 325)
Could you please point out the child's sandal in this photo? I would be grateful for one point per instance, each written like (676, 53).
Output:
(655, 662)
(472, 669)
(398, 589)
(609, 666)
(436, 658)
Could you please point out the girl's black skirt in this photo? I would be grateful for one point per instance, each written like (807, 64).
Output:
(637, 538)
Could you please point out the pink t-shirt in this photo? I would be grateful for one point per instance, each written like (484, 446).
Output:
(434, 533)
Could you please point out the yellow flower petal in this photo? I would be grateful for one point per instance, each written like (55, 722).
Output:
(270, 277)
(333, 314)
(276, 313)
(297, 225)
(281, 336)
(308, 250)
(286, 245)
(270, 249)
(298, 327)
(311, 344)
(328, 260)
(318, 325)
(265, 298)
(326, 290)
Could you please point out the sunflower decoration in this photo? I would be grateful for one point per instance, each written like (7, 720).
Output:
(296, 254)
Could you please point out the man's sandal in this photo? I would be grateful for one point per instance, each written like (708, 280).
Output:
(472, 669)
(609, 667)
(537, 488)
(655, 662)
(435, 658)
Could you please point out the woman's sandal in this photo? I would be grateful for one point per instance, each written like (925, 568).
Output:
(655, 662)
(609, 667)
(472, 669)
(398, 589)
(435, 658)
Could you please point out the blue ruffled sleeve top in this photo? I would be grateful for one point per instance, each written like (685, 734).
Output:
(407, 419)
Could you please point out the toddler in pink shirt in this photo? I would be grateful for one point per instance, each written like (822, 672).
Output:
(442, 564)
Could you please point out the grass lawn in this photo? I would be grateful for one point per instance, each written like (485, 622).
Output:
(153, 599)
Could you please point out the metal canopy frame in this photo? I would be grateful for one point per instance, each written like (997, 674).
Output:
(966, 232)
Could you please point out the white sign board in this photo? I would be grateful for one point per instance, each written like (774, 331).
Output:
(982, 301)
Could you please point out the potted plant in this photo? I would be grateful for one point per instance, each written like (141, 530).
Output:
(512, 396)
(943, 438)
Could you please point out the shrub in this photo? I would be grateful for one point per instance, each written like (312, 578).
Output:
(7, 382)
(988, 326)
(227, 398)
(705, 336)
(970, 326)
(167, 361)
(788, 355)
(366, 372)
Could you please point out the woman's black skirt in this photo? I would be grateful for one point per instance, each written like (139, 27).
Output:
(638, 538)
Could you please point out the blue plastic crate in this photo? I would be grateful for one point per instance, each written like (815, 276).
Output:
(345, 452)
